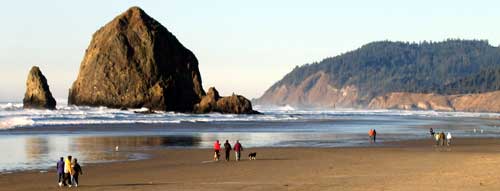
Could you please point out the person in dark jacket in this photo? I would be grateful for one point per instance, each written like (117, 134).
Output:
(78, 171)
(227, 148)
(237, 149)
(60, 172)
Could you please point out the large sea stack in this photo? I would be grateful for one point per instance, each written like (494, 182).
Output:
(134, 61)
(38, 94)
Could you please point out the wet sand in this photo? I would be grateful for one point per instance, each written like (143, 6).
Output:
(470, 164)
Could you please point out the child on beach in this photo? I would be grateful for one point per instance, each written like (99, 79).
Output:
(60, 171)
(216, 150)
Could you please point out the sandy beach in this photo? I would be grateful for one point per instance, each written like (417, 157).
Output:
(470, 164)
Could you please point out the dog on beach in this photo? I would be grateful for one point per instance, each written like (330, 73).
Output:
(252, 156)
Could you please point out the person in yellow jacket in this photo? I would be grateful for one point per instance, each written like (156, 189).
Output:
(68, 171)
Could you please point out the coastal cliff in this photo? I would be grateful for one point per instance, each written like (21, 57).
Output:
(482, 102)
(453, 75)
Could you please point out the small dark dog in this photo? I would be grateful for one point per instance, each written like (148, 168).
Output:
(252, 156)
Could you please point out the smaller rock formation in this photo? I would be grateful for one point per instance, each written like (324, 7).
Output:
(38, 94)
(213, 102)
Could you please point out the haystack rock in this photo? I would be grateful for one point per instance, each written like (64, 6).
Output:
(38, 94)
(132, 62)
(213, 102)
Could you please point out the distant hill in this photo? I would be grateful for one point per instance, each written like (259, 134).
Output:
(354, 78)
(484, 81)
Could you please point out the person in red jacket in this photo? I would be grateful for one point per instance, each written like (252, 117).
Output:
(237, 149)
(216, 150)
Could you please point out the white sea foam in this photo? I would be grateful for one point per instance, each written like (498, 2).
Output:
(13, 122)
(13, 115)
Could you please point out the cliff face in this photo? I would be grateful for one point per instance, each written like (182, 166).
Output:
(482, 102)
(38, 95)
(314, 91)
(133, 61)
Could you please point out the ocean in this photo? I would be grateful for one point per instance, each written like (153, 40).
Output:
(35, 139)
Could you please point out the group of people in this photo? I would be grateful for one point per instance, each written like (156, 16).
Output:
(372, 133)
(227, 148)
(68, 171)
(441, 138)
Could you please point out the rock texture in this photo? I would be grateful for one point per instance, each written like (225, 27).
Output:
(482, 102)
(409, 101)
(38, 94)
(133, 61)
(213, 102)
(314, 91)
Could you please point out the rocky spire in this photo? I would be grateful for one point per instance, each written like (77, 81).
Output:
(38, 94)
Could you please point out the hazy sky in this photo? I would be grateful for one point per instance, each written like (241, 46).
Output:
(242, 46)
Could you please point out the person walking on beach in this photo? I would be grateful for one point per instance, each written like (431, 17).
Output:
(436, 137)
(60, 171)
(237, 150)
(431, 131)
(216, 150)
(442, 138)
(374, 136)
(77, 170)
(370, 135)
(68, 170)
(227, 149)
(448, 139)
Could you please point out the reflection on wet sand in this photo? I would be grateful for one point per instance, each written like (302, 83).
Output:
(36, 147)
(41, 152)
(109, 143)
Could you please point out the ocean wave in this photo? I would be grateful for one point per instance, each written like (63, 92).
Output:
(12, 115)
(13, 122)
(11, 106)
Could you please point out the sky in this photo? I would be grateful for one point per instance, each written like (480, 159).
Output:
(242, 46)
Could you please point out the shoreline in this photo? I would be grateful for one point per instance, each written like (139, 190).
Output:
(392, 165)
(151, 152)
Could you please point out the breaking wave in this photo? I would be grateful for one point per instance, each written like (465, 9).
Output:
(13, 115)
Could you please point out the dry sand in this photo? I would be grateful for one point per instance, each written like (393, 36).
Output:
(470, 164)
